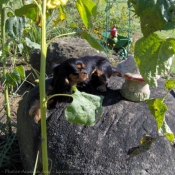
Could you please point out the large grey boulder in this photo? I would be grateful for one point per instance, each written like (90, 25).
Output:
(100, 149)
(61, 49)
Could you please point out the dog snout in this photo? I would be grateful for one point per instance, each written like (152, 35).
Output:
(84, 72)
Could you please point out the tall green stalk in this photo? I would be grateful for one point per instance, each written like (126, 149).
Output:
(42, 90)
(6, 94)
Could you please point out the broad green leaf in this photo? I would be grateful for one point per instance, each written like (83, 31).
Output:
(7, 45)
(31, 44)
(153, 56)
(165, 56)
(155, 15)
(169, 26)
(21, 71)
(84, 108)
(152, 20)
(92, 41)
(15, 27)
(169, 84)
(158, 110)
(165, 130)
(13, 78)
(91, 7)
(4, 1)
(29, 11)
(86, 9)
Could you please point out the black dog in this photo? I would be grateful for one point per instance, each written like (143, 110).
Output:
(99, 71)
(81, 72)
(65, 75)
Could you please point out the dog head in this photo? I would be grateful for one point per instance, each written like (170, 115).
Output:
(68, 74)
(76, 73)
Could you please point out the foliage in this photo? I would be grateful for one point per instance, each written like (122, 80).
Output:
(77, 112)
(145, 144)
(86, 10)
(158, 54)
(155, 15)
(154, 55)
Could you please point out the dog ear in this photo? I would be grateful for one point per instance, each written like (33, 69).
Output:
(55, 71)
(60, 82)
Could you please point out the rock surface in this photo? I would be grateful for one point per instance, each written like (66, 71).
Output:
(100, 149)
(61, 49)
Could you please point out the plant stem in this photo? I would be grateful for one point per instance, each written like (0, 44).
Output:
(166, 94)
(42, 90)
(2, 10)
(72, 33)
(56, 95)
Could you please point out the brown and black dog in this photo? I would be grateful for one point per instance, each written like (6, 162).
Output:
(81, 72)
(99, 71)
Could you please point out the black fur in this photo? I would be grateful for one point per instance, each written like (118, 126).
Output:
(98, 70)
(62, 82)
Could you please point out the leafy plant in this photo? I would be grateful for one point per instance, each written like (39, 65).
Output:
(77, 112)
(37, 12)
(153, 55)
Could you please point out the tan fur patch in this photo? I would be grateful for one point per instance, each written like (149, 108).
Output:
(74, 79)
(92, 72)
(80, 66)
(77, 78)
(35, 110)
(82, 76)
(99, 72)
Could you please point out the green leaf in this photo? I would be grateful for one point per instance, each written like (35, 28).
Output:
(15, 27)
(13, 78)
(152, 20)
(155, 15)
(61, 16)
(29, 11)
(31, 44)
(92, 41)
(20, 47)
(169, 84)
(165, 130)
(86, 9)
(74, 26)
(7, 45)
(4, 1)
(145, 144)
(153, 56)
(158, 110)
(10, 14)
(21, 71)
(84, 108)
(165, 56)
